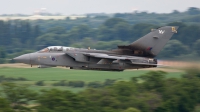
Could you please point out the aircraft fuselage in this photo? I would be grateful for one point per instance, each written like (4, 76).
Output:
(77, 60)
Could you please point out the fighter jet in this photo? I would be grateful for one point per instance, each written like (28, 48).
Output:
(137, 55)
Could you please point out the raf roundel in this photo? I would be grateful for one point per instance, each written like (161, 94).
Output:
(53, 59)
(149, 48)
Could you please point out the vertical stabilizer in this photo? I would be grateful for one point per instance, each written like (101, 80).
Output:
(154, 41)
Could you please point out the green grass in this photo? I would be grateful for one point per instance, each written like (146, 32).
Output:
(52, 75)
(55, 74)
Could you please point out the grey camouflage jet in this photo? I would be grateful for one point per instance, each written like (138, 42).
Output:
(137, 55)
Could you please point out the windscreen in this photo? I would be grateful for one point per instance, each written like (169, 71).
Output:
(44, 50)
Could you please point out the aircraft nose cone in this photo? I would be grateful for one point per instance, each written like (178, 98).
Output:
(23, 59)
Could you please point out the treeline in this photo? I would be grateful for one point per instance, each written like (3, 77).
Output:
(11, 79)
(190, 16)
(15, 37)
(79, 84)
(152, 92)
(18, 37)
(113, 32)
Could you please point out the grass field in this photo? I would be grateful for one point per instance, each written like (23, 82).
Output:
(52, 75)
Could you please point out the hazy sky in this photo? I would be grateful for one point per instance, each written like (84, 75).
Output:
(68, 7)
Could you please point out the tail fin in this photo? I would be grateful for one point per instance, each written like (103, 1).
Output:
(154, 41)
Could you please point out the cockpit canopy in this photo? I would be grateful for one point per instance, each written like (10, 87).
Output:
(57, 48)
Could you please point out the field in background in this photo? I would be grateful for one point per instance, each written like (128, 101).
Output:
(39, 17)
(53, 75)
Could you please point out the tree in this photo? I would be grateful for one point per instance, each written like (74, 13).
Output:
(2, 55)
(192, 73)
(95, 84)
(193, 11)
(18, 95)
(123, 88)
(153, 80)
(5, 106)
(122, 31)
(36, 31)
(79, 32)
(131, 109)
(49, 39)
(57, 30)
(40, 83)
(62, 101)
(108, 82)
(103, 99)
(174, 48)
(110, 23)
(175, 12)
(197, 47)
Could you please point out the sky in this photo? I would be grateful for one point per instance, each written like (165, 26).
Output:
(69, 7)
